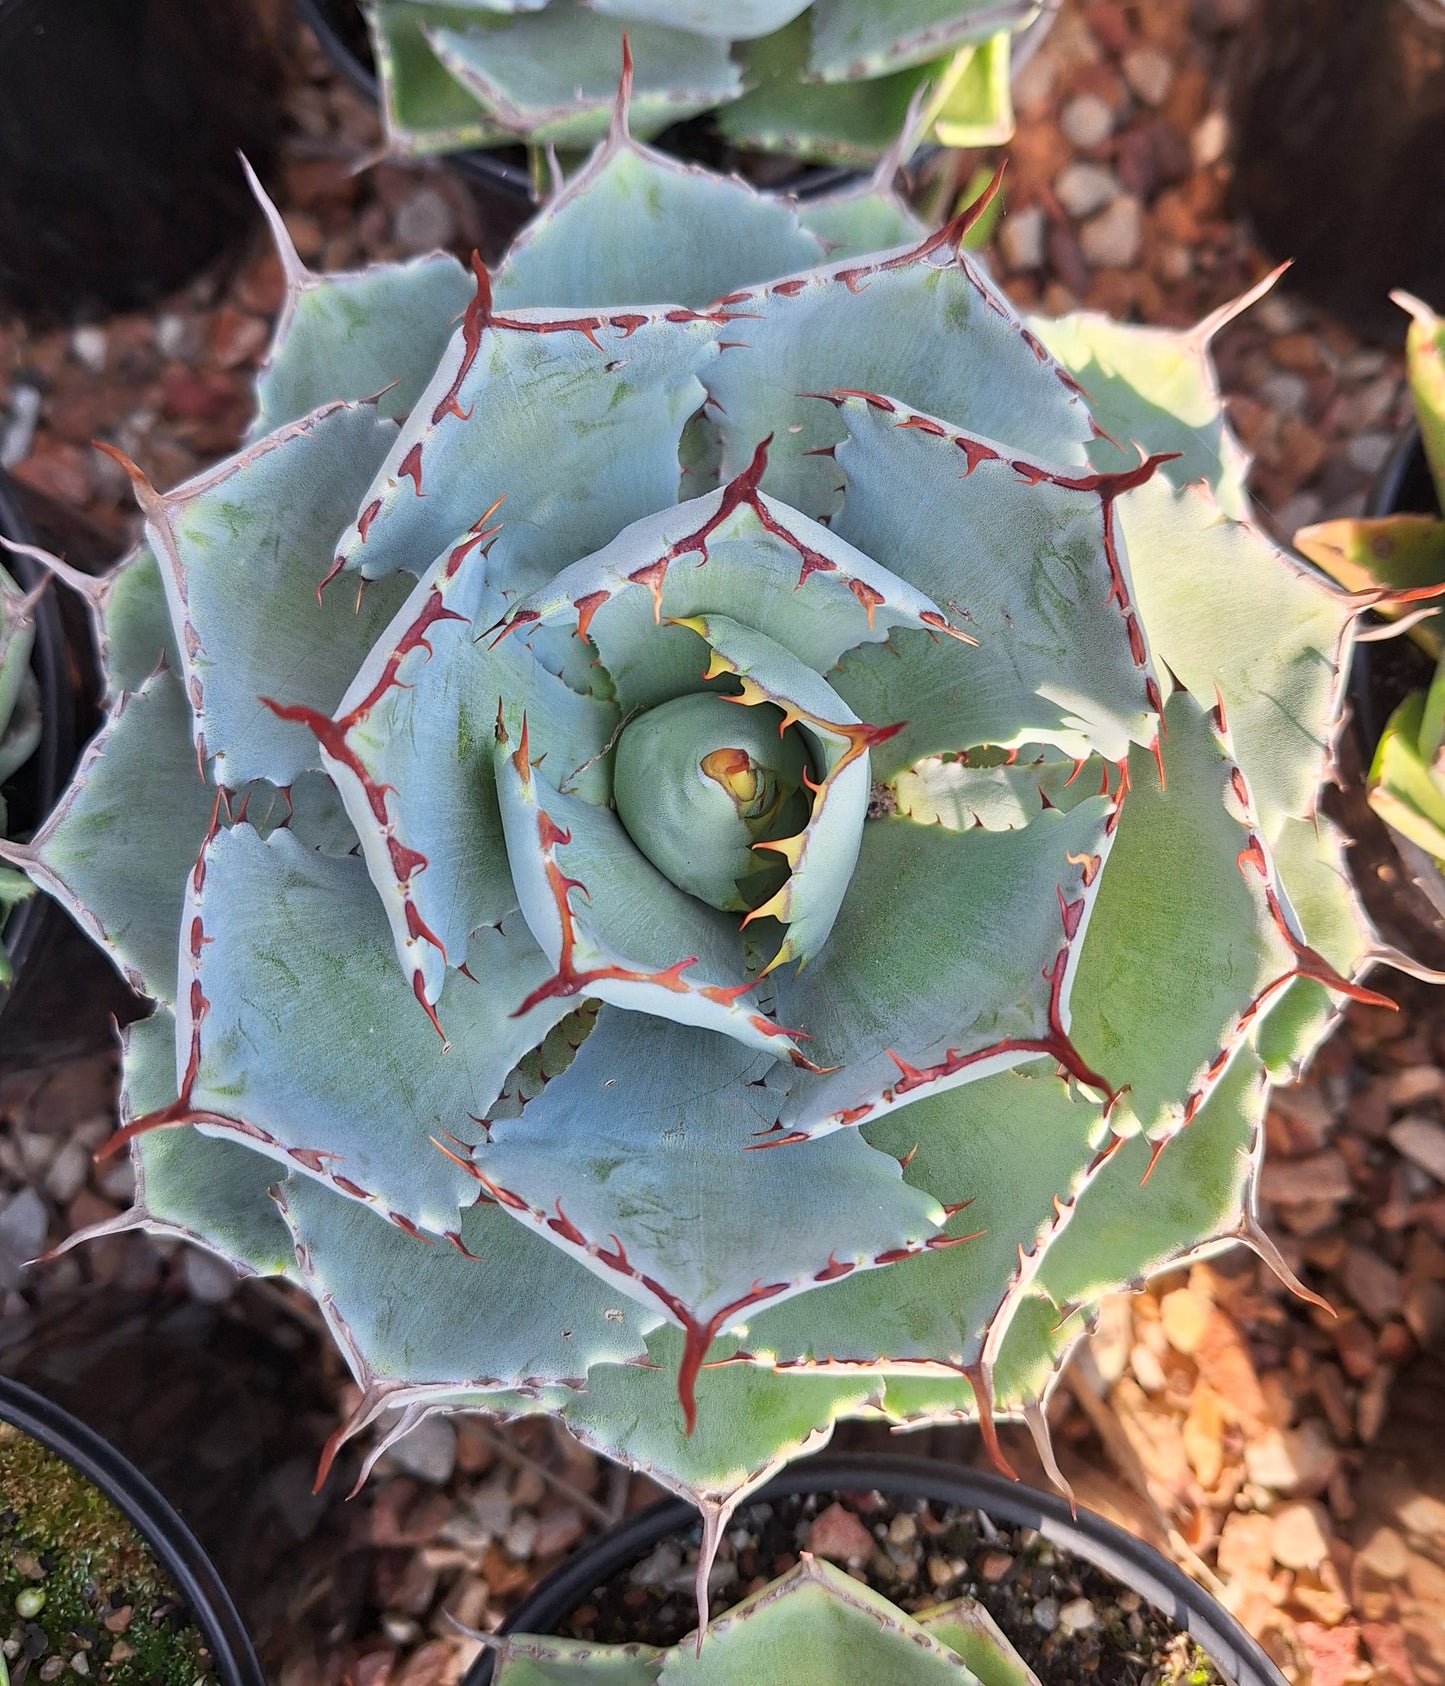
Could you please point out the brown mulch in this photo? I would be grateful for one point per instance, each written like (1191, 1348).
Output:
(1285, 1456)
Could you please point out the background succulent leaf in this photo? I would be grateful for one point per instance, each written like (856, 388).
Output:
(551, 77)
(853, 37)
(1425, 360)
(424, 109)
(234, 547)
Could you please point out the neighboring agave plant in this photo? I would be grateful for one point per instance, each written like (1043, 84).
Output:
(19, 724)
(783, 876)
(813, 1626)
(1402, 558)
(829, 80)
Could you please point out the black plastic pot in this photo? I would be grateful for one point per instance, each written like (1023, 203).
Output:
(1086, 1536)
(174, 1545)
(35, 787)
(119, 130)
(335, 24)
(1338, 118)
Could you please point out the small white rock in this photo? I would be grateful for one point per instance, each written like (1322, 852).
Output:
(23, 1224)
(1077, 1616)
(1210, 139)
(68, 1171)
(1084, 188)
(1285, 392)
(208, 1279)
(1368, 451)
(521, 1538)
(1021, 238)
(1422, 1142)
(429, 1452)
(1114, 238)
(1087, 121)
(89, 346)
(424, 221)
(1046, 1614)
(1149, 74)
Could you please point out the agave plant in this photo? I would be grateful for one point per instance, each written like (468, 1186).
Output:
(813, 1624)
(831, 80)
(716, 863)
(19, 723)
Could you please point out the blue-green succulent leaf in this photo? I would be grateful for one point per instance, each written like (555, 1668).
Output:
(239, 549)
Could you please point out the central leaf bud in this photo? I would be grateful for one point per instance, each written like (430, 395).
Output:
(699, 780)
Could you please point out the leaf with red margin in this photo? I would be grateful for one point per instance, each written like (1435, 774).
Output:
(611, 236)
(821, 856)
(611, 390)
(211, 1193)
(118, 847)
(612, 926)
(132, 624)
(359, 334)
(1207, 588)
(1018, 1147)
(923, 324)
(410, 750)
(303, 1040)
(1027, 556)
(498, 1309)
(1191, 933)
(656, 1192)
(952, 957)
(242, 550)
(732, 552)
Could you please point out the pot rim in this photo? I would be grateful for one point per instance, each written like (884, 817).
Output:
(1083, 1533)
(58, 748)
(153, 1517)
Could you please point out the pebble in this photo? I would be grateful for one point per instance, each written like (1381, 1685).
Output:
(1084, 188)
(23, 1225)
(1021, 239)
(208, 1279)
(1422, 1142)
(30, 1602)
(1371, 1283)
(423, 221)
(1078, 1616)
(1114, 238)
(1368, 451)
(1185, 1316)
(429, 1452)
(67, 1173)
(1318, 1176)
(1046, 1614)
(1149, 74)
(994, 1566)
(1300, 1537)
(840, 1536)
(1210, 140)
(1087, 121)
(89, 345)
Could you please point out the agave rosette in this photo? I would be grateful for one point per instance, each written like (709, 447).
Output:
(767, 867)
(830, 80)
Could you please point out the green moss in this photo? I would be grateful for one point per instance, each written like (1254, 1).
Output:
(62, 1537)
